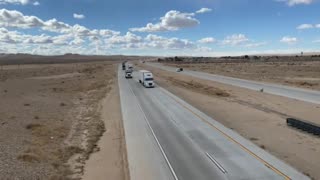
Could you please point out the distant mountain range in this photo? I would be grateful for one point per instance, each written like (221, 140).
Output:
(67, 58)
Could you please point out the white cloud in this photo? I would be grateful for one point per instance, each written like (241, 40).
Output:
(316, 41)
(7, 39)
(128, 38)
(108, 33)
(41, 39)
(254, 45)
(22, 2)
(317, 25)
(289, 40)
(78, 16)
(171, 21)
(54, 25)
(77, 41)
(14, 37)
(203, 10)
(19, 2)
(151, 41)
(235, 39)
(207, 40)
(159, 42)
(16, 19)
(63, 39)
(305, 26)
(296, 2)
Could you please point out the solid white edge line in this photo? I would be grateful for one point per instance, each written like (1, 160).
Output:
(155, 137)
(216, 163)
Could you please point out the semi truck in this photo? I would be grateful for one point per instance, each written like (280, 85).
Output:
(146, 78)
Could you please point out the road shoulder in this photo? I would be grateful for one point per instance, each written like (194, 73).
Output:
(111, 160)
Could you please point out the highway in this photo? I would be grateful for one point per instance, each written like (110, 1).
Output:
(286, 91)
(167, 138)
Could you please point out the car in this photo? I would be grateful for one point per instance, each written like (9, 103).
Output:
(179, 69)
(128, 74)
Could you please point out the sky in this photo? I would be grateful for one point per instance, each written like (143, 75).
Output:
(159, 27)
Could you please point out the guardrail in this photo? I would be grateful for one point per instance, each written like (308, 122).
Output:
(304, 125)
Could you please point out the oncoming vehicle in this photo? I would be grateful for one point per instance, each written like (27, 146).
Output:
(146, 78)
(179, 69)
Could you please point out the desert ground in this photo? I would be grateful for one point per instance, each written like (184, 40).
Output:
(295, 71)
(257, 116)
(52, 116)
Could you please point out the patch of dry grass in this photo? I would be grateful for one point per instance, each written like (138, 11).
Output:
(33, 126)
(304, 83)
(29, 157)
(200, 87)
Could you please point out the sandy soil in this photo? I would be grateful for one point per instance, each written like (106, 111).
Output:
(304, 74)
(50, 118)
(257, 116)
(109, 163)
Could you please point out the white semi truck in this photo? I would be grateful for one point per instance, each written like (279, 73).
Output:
(146, 78)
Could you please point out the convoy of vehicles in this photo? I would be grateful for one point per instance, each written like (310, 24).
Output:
(145, 77)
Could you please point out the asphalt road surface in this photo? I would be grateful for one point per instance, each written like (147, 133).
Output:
(286, 91)
(167, 139)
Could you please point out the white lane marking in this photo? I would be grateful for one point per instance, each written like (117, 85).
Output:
(181, 102)
(155, 137)
(216, 163)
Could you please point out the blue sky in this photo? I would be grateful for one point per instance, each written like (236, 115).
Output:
(159, 27)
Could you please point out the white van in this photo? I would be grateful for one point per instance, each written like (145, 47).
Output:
(146, 78)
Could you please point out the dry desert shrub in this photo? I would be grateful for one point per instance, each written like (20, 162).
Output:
(29, 157)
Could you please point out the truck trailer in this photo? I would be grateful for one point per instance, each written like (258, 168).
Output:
(146, 78)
